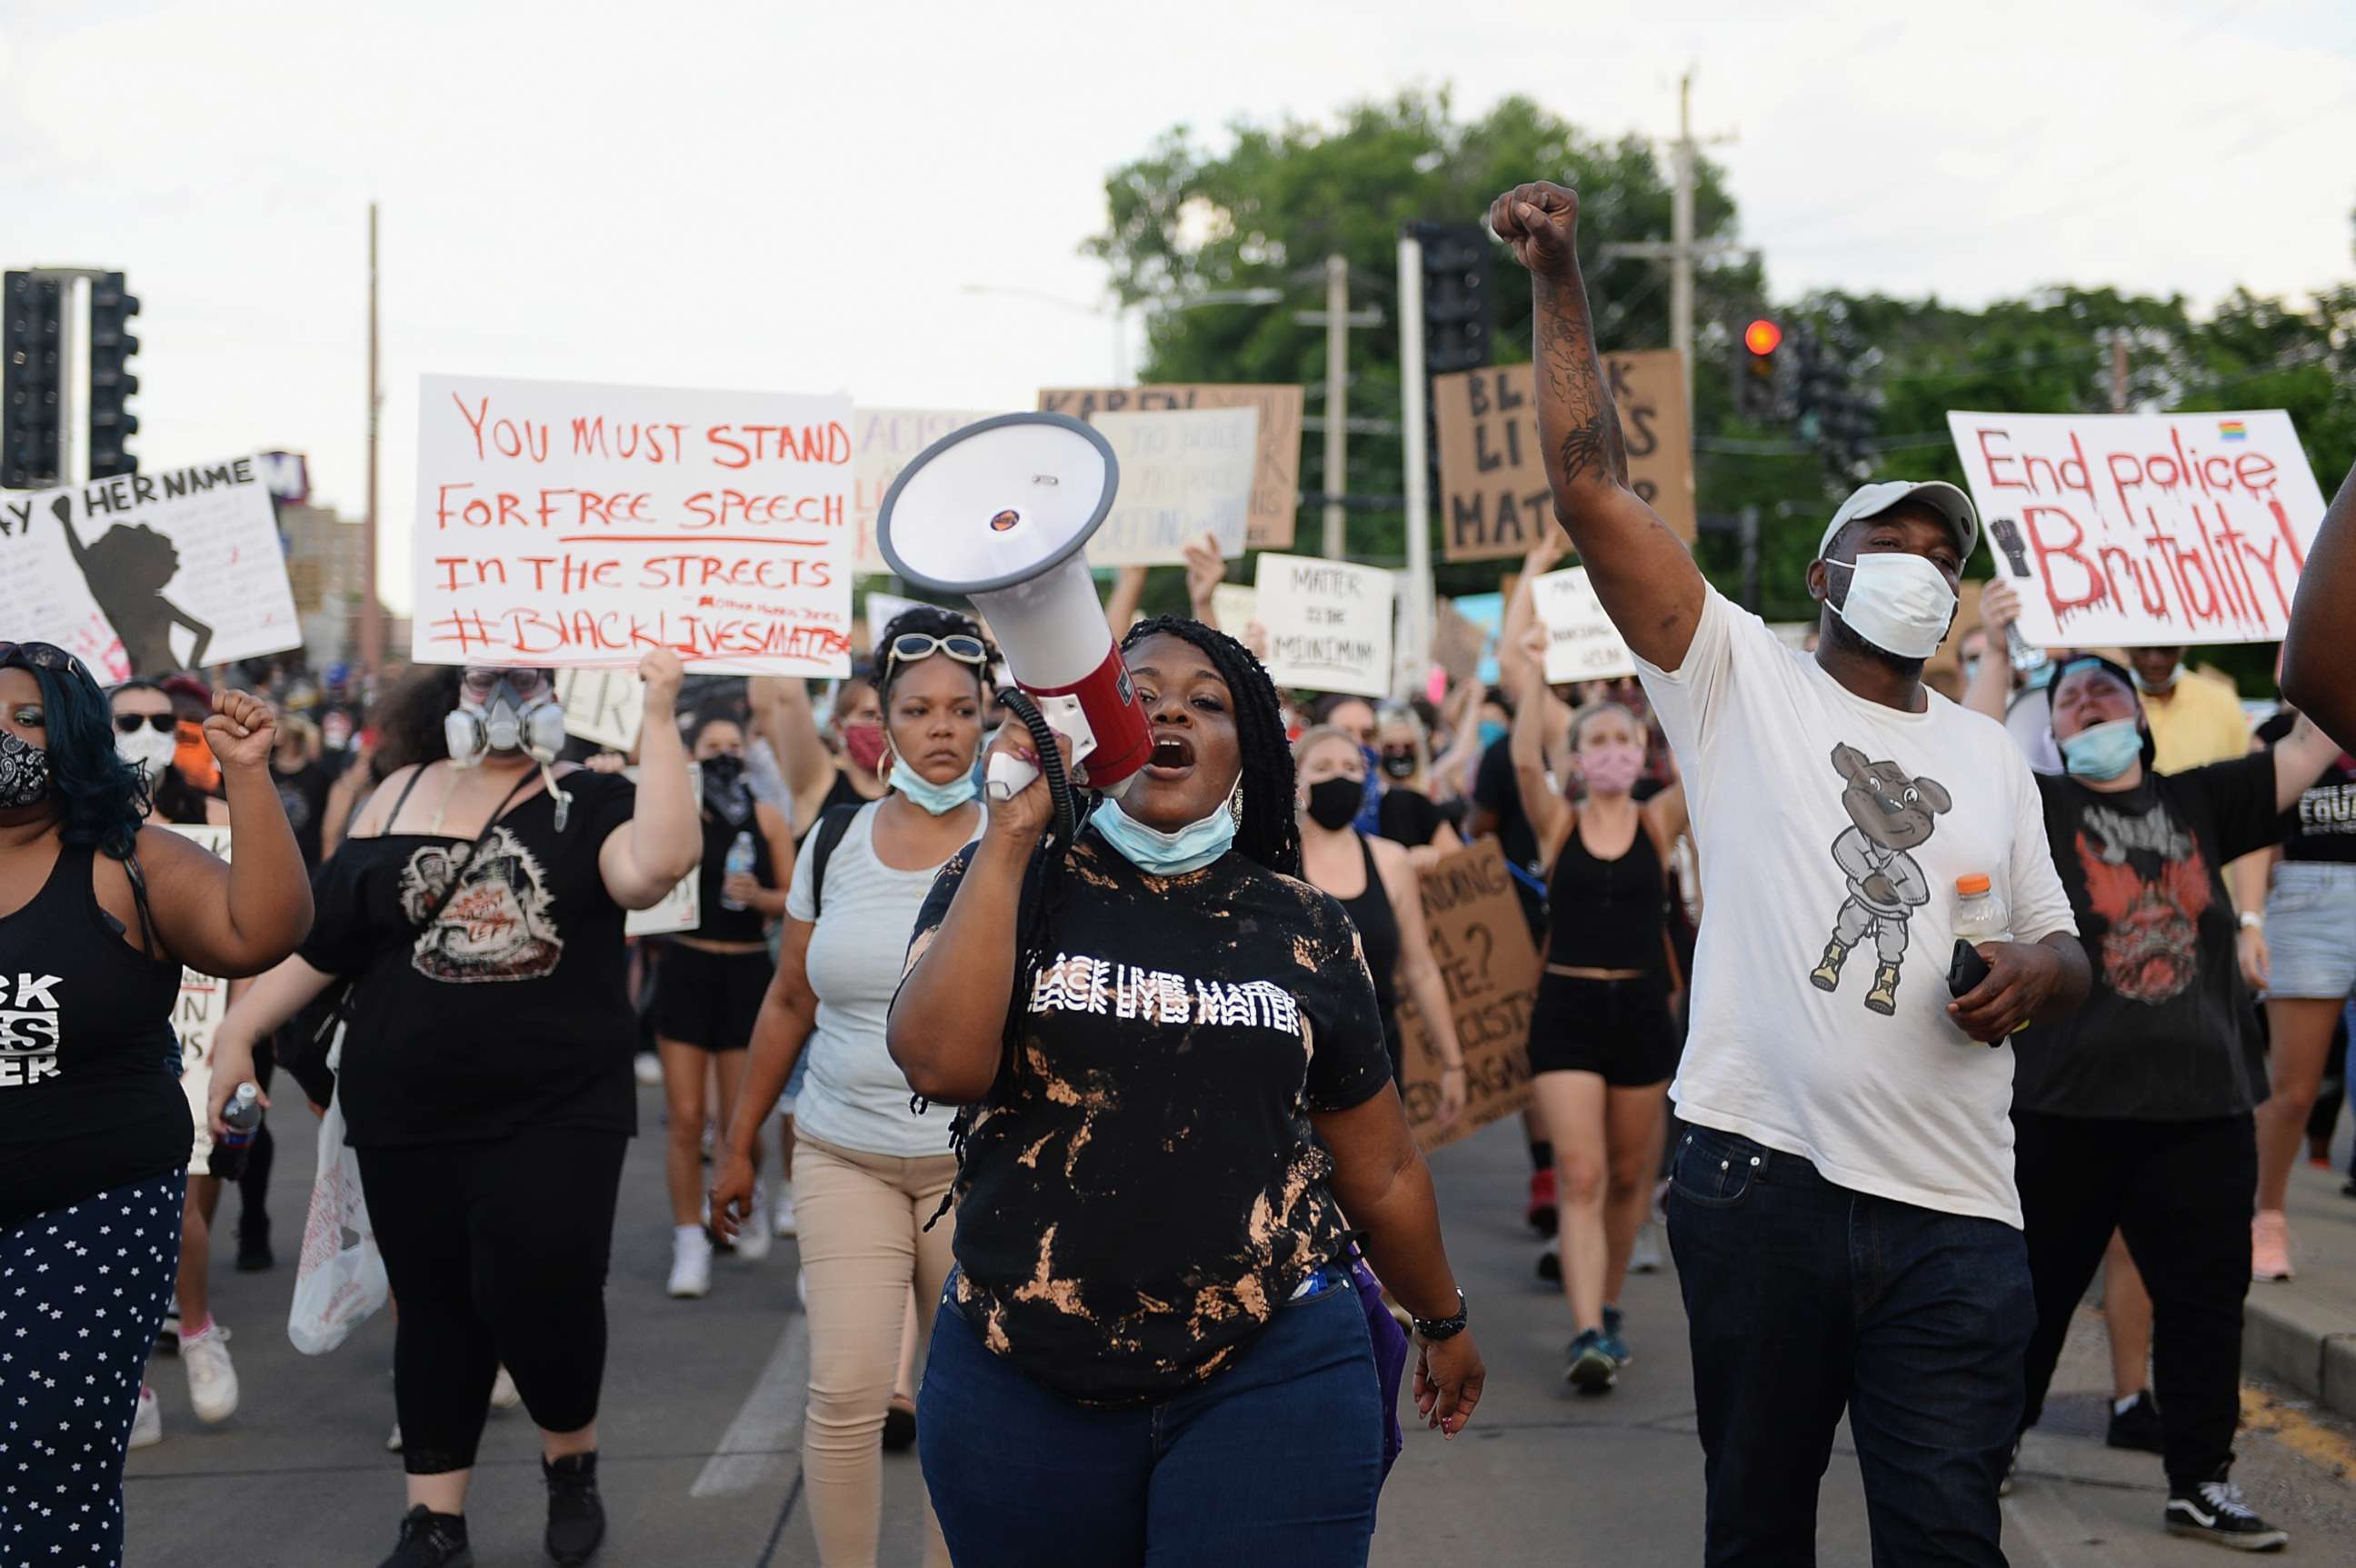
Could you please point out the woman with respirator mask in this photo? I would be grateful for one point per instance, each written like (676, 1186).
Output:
(478, 908)
(1603, 1034)
(869, 1171)
(1175, 1085)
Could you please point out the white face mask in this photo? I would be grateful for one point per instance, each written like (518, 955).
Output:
(1899, 602)
(146, 750)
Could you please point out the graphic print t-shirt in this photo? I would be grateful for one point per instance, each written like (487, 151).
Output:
(510, 1010)
(2161, 1037)
(2322, 826)
(1833, 829)
(1142, 1191)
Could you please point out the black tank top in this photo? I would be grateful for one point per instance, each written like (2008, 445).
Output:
(720, 923)
(842, 792)
(1378, 932)
(1608, 914)
(89, 1093)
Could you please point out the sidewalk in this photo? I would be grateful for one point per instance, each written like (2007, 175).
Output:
(2302, 1335)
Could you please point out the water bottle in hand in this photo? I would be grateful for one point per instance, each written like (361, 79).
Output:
(738, 864)
(241, 1116)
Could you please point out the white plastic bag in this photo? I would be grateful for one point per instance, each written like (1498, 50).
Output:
(340, 1281)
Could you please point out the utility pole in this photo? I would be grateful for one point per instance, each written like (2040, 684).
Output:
(1682, 250)
(1337, 318)
(1411, 650)
(371, 613)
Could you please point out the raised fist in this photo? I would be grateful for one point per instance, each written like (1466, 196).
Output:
(1540, 221)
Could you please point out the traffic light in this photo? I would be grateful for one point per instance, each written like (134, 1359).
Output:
(1756, 371)
(31, 397)
(1458, 306)
(112, 384)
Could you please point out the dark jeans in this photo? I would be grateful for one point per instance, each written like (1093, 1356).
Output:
(2180, 1193)
(1276, 1459)
(1805, 1299)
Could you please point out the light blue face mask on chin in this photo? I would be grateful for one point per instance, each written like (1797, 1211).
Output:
(1158, 854)
(2102, 751)
(938, 800)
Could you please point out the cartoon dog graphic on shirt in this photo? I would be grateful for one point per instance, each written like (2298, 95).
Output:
(1891, 814)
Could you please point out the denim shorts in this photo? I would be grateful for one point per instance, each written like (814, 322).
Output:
(2312, 930)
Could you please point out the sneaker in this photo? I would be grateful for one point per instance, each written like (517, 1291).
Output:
(1613, 1345)
(253, 1253)
(1541, 1212)
(648, 1068)
(503, 1392)
(1587, 1366)
(785, 1227)
(577, 1520)
(430, 1539)
(1551, 1260)
(899, 1426)
(2137, 1427)
(690, 1263)
(2270, 1246)
(1648, 1256)
(2215, 1510)
(212, 1377)
(753, 1231)
(147, 1426)
(168, 1338)
(392, 1438)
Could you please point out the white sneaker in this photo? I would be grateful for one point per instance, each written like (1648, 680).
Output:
(212, 1379)
(393, 1439)
(752, 1231)
(690, 1263)
(781, 1213)
(147, 1426)
(503, 1392)
(648, 1068)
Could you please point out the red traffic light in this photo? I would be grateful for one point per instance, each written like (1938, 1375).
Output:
(1762, 336)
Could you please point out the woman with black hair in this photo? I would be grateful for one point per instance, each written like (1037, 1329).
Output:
(1153, 1346)
(485, 1080)
(869, 1172)
(100, 913)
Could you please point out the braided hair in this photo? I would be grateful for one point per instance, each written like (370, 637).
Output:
(1269, 833)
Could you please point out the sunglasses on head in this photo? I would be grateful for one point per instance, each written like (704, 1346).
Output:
(39, 656)
(911, 646)
(162, 724)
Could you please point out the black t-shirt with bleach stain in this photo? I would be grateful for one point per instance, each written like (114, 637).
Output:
(2163, 1034)
(2323, 825)
(1142, 1190)
(510, 1011)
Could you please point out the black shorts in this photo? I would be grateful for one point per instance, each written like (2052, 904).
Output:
(708, 1000)
(1620, 1029)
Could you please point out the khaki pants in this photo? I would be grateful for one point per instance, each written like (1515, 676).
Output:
(863, 1245)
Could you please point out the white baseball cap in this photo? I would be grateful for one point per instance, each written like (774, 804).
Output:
(1872, 500)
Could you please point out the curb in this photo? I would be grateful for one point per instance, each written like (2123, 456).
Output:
(2306, 1346)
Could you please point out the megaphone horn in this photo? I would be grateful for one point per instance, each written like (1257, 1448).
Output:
(1000, 512)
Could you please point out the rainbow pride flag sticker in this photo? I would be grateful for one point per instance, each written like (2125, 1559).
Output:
(2233, 430)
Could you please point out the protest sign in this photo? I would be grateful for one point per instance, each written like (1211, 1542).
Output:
(880, 611)
(570, 524)
(1582, 643)
(2143, 530)
(1183, 472)
(1234, 606)
(204, 1000)
(604, 707)
(1473, 921)
(1487, 614)
(1457, 643)
(885, 441)
(1494, 502)
(681, 908)
(1276, 476)
(1328, 624)
(146, 574)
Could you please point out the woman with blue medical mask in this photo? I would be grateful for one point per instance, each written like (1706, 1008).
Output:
(1176, 1103)
(869, 1172)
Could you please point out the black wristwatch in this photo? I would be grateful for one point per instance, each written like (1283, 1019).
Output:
(1432, 1330)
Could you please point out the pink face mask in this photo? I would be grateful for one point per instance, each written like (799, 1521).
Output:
(863, 744)
(1611, 769)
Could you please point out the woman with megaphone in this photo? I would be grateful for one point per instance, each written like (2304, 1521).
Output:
(1152, 1344)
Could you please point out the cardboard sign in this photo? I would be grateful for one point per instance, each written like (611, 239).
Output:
(146, 574)
(204, 1001)
(604, 707)
(1474, 924)
(1457, 643)
(1276, 479)
(561, 523)
(1328, 624)
(1234, 606)
(682, 907)
(1582, 643)
(1183, 472)
(1494, 502)
(2135, 531)
(883, 442)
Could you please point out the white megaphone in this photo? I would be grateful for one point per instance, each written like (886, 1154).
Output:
(1000, 512)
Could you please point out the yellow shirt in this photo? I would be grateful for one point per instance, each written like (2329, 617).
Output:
(2199, 722)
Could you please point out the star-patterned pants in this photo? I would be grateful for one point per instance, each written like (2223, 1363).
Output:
(82, 1293)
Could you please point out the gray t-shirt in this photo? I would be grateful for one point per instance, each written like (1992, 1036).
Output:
(855, 1095)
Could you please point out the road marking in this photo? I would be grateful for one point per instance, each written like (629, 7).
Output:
(2295, 1430)
(765, 1439)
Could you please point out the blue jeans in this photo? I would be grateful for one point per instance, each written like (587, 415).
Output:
(1805, 1299)
(1276, 1459)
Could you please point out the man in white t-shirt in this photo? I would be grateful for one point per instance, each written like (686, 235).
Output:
(1846, 1229)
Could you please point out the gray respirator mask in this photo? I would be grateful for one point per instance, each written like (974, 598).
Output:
(506, 721)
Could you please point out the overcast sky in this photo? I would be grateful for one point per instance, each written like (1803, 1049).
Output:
(792, 197)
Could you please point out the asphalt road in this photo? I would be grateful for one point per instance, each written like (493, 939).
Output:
(702, 1421)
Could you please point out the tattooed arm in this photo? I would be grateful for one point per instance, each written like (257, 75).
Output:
(2319, 660)
(1642, 573)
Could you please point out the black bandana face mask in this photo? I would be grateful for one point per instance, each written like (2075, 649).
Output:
(724, 790)
(23, 773)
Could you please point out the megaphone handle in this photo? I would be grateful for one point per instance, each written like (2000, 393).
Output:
(1009, 775)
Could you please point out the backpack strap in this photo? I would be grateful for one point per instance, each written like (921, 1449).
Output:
(832, 824)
